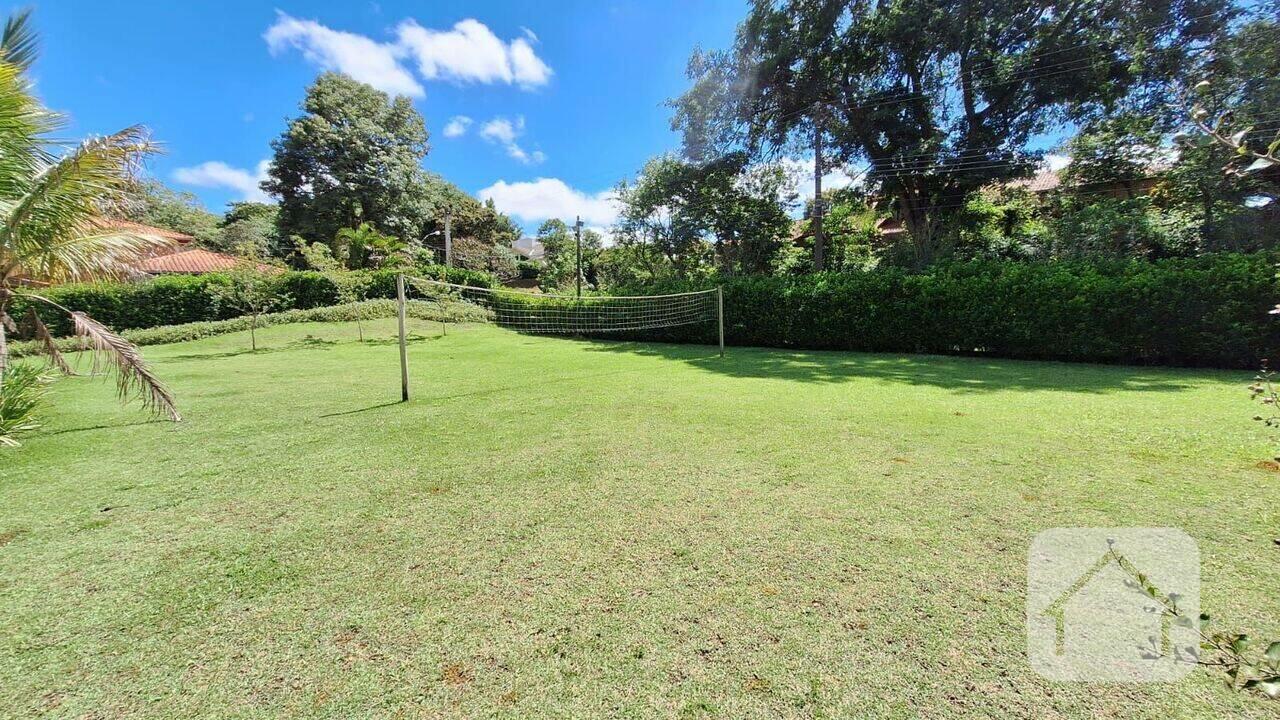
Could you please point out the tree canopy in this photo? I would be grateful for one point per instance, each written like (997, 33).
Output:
(937, 98)
(353, 156)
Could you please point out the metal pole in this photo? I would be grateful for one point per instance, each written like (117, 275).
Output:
(448, 238)
(577, 227)
(404, 356)
(720, 315)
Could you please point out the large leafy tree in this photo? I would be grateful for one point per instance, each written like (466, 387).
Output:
(680, 208)
(353, 156)
(53, 199)
(939, 98)
(560, 259)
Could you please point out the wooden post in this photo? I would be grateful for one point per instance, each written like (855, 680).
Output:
(404, 357)
(720, 315)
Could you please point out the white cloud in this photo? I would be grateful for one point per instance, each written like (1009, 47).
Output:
(526, 66)
(547, 198)
(1056, 162)
(471, 52)
(457, 126)
(800, 171)
(504, 132)
(217, 174)
(364, 59)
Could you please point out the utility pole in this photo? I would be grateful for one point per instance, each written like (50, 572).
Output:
(448, 237)
(577, 230)
(819, 242)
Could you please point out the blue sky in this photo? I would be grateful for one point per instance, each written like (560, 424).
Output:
(564, 98)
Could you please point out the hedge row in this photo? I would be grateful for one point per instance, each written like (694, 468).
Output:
(179, 299)
(437, 310)
(1207, 311)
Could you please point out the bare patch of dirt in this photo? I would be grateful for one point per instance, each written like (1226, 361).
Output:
(1269, 466)
(455, 674)
(9, 536)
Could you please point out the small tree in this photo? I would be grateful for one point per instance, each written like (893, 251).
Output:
(252, 290)
(353, 288)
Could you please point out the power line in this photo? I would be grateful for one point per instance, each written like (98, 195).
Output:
(1038, 73)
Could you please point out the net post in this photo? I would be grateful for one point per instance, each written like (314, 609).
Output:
(720, 315)
(404, 357)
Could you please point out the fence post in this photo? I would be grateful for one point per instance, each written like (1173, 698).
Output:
(720, 315)
(404, 357)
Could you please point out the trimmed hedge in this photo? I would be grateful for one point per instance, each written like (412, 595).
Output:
(180, 299)
(438, 310)
(1206, 311)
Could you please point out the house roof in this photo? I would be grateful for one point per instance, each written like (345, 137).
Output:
(890, 226)
(528, 248)
(1043, 181)
(116, 224)
(188, 261)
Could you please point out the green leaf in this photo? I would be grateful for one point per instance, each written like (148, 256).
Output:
(1203, 87)
(1239, 137)
(1273, 654)
(1260, 164)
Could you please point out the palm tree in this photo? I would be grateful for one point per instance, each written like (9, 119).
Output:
(366, 247)
(52, 203)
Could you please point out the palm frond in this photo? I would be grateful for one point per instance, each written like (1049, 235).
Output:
(47, 345)
(24, 387)
(133, 376)
(24, 122)
(54, 229)
(19, 43)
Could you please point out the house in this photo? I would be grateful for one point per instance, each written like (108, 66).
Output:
(188, 261)
(527, 248)
(179, 256)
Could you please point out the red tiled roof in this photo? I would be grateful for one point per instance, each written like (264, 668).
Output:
(193, 261)
(890, 226)
(1043, 181)
(115, 224)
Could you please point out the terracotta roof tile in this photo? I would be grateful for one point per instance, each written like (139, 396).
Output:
(193, 261)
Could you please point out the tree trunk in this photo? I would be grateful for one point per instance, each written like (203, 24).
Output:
(920, 226)
(5, 300)
(253, 333)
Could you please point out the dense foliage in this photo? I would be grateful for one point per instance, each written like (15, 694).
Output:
(354, 157)
(194, 298)
(1206, 311)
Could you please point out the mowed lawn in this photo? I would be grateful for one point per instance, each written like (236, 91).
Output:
(563, 528)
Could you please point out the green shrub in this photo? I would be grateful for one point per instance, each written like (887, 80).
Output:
(180, 299)
(1205, 311)
(443, 310)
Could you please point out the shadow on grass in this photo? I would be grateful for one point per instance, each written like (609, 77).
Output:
(304, 343)
(959, 374)
(104, 426)
(361, 410)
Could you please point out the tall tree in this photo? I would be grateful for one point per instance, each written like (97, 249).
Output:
(736, 209)
(939, 98)
(353, 156)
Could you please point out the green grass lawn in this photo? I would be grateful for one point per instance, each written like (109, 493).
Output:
(573, 529)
